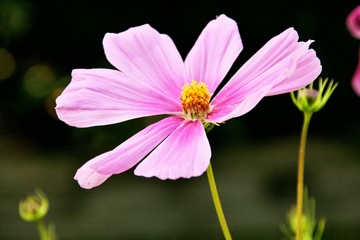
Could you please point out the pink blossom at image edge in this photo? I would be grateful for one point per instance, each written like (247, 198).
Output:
(355, 81)
(353, 26)
(353, 22)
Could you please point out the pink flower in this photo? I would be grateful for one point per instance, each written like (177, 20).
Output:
(353, 22)
(353, 25)
(355, 82)
(153, 79)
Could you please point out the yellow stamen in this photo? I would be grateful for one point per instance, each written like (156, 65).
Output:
(195, 99)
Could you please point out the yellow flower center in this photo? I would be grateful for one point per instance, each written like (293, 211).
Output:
(195, 100)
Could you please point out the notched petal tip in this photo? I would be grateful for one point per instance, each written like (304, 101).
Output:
(110, 36)
(88, 178)
(214, 52)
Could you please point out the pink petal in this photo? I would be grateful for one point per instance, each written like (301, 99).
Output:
(88, 178)
(273, 63)
(353, 22)
(126, 155)
(355, 82)
(185, 153)
(144, 54)
(102, 96)
(214, 52)
(307, 70)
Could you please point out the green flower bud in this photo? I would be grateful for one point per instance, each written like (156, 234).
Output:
(34, 207)
(306, 223)
(312, 100)
(311, 228)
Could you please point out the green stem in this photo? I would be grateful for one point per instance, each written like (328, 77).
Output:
(300, 177)
(217, 203)
(42, 230)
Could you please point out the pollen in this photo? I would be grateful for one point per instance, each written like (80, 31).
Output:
(195, 100)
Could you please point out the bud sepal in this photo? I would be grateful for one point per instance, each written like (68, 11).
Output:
(311, 100)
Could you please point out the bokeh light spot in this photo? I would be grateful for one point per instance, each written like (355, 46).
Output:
(15, 17)
(39, 80)
(7, 64)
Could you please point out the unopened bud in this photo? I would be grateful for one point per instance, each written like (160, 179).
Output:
(34, 207)
(311, 100)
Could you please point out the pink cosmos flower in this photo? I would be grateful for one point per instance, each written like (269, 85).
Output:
(152, 79)
(353, 22)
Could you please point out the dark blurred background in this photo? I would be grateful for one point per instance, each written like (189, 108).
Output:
(254, 156)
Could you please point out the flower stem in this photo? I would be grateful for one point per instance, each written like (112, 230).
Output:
(217, 204)
(300, 177)
(42, 230)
